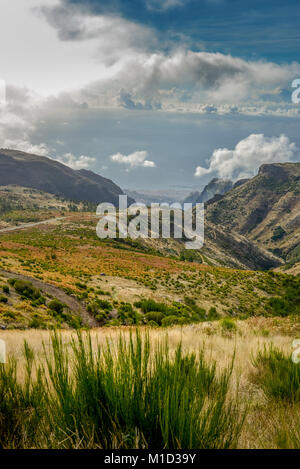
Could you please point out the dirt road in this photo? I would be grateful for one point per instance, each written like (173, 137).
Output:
(72, 302)
(30, 225)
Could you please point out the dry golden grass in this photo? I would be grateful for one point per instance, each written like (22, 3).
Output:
(263, 416)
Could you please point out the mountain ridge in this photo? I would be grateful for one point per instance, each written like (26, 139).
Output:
(42, 173)
(265, 209)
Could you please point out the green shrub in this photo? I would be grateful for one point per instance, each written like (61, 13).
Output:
(155, 316)
(278, 233)
(26, 290)
(12, 281)
(56, 306)
(228, 325)
(104, 304)
(40, 301)
(37, 323)
(128, 315)
(10, 314)
(169, 321)
(150, 305)
(5, 289)
(213, 314)
(3, 299)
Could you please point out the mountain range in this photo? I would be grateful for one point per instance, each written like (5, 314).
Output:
(265, 210)
(251, 224)
(41, 173)
(215, 186)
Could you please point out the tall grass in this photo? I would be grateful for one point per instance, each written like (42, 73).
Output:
(131, 395)
(278, 376)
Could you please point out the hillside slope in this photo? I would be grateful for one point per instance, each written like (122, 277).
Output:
(265, 209)
(41, 173)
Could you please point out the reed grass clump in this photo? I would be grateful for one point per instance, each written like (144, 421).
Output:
(131, 395)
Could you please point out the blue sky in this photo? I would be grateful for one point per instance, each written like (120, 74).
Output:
(268, 29)
(154, 94)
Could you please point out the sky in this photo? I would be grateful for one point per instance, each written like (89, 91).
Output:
(154, 94)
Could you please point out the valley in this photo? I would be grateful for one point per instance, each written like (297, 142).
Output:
(225, 316)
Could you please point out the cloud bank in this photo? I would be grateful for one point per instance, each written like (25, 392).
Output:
(248, 155)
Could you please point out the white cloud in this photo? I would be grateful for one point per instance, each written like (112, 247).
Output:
(248, 155)
(108, 61)
(138, 158)
(163, 5)
(110, 37)
(80, 162)
(183, 80)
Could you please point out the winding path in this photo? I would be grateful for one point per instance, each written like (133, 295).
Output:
(30, 225)
(73, 303)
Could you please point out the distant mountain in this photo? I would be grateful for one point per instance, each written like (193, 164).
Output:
(41, 173)
(215, 186)
(148, 197)
(265, 209)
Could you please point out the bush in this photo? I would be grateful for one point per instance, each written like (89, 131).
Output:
(11, 281)
(155, 316)
(26, 290)
(169, 321)
(278, 233)
(213, 314)
(128, 315)
(228, 324)
(5, 289)
(277, 375)
(37, 323)
(3, 299)
(104, 304)
(148, 306)
(56, 306)
(40, 301)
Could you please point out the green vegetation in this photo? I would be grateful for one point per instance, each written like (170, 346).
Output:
(25, 289)
(170, 314)
(288, 303)
(125, 396)
(278, 233)
(228, 325)
(56, 306)
(277, 375)
(5, 289)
